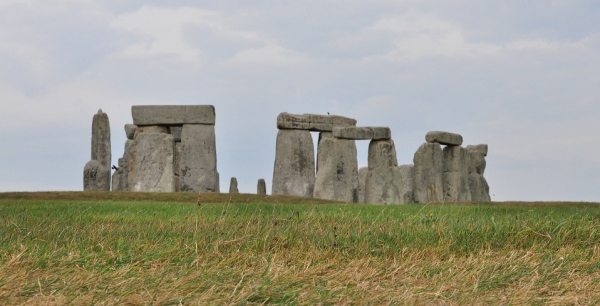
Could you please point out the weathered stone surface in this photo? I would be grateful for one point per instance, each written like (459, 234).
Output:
(362, 178)
(482, 148)
(233, 185)
(337, 178)
(384, 181)
(362, 133)
(101, 139)
(428, 184)
(177, 164)
(125, 169)
(130, 130)
(456, 174)
(96, 176)
(155, 129)
(176, 132)
(173, 114)
(153, 163)
(480, 191)
(294, 171)
(444, 138)
(198, 164)
(408, 179)
(322, 135)
(312, 122)
(261, 187)
(117, 177)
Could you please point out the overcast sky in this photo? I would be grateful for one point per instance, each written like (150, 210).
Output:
(521, 76)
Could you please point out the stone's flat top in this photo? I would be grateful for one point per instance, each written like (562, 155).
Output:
(362, 133)
(312, 122)
(445, 138)
(482, 148)
(173, 114)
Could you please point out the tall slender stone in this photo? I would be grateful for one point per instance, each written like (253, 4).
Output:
(408, 179)
(362, 178)
(428, 183)
(233, 185)
(198, 164)
(101, 139)
(261, 187)
(153, 163)
(337, 177)
(384, 181)
(177, 163)
(480, 191)
(294, 170)
(456, 174)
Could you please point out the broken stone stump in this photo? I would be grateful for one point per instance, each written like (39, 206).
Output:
(428, 184)
(153, 163)
(407, 172)
(384, 181)
(362, 177)
(233, 185)
(445, 138)
(96, 176)
(294, 170)
(337, 177)
(198, 161)
(480, 191)
(456, 174)
(312, 122)
(261, 187)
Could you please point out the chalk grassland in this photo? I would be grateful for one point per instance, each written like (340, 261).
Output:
(161, 249)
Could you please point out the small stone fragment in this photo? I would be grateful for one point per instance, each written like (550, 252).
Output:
(362, 133)
(261, 187)
(444, 138)
(312, 122)
(233, 185)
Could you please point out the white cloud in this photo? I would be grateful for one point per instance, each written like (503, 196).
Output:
(271, 55)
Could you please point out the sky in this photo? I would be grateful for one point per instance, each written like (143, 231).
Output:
(520, 76)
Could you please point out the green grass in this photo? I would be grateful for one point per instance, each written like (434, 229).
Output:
(160, 249)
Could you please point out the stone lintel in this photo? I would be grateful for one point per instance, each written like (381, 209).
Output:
(481, 148)
(312, 122)
(362, 133)
(444, 138)
(173, 114)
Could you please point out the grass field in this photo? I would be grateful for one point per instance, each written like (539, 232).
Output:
(165, 249)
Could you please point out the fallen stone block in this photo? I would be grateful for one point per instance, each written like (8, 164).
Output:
(337, 177)
(173, 114)
(444, 138)
(312, 122)
(294, 170)
(362, 133)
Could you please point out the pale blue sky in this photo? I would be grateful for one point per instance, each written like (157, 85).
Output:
(519, 76)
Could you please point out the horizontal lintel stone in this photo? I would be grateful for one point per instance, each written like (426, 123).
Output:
(362, 133)
(312, 122)
(444, 138)
(173, 114)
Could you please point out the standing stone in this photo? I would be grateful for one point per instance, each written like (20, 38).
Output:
(362, 177)
(117, 177)
(322, 135)
(177, 163)
(480, 191)
(337, 177)
(294, 170)
(408, 173)
(456, 174)
(153, 159)
(261, 187)
(96, 176)
(233, 185)
(384, 181)
(125, 169)
(428, 184)
(198, 164)
(101, 139)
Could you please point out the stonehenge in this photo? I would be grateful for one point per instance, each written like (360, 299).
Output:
(172, 148)
(96, 173)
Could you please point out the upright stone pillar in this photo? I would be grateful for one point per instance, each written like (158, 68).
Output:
(337, 175)
(480, 191)
(408, 178)
(294, 171)
(117, 177)
(233, 185)
(362, 178)
(97, 175)
(261, 187)
(384, 181)
(456, 175)
(428, 184)
(153, 163)
(198, 164)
